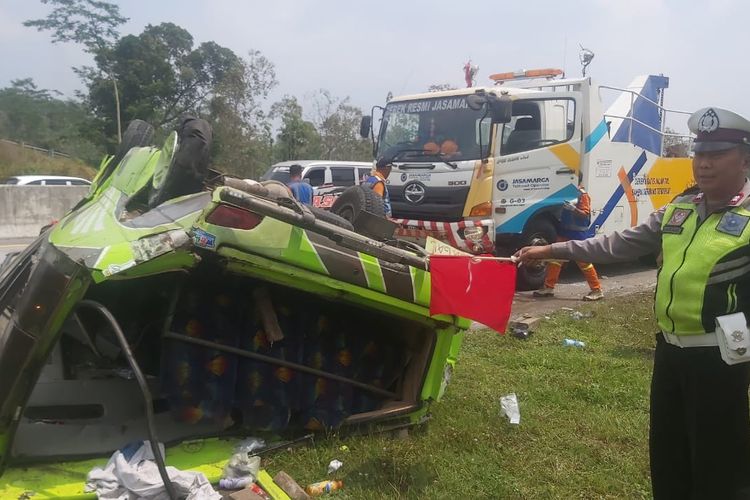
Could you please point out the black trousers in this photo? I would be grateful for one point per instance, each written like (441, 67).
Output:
(700, 427)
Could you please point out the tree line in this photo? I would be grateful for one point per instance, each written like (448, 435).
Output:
(158, 76)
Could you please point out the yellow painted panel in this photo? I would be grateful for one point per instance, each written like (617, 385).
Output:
(567, 154)
(667, 178)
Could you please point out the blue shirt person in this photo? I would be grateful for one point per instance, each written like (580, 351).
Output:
(302, 191)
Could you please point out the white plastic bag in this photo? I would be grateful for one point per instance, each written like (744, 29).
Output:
(509, 407)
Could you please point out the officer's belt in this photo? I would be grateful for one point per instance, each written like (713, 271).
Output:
(704, 340)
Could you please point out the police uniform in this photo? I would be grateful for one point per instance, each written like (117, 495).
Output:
(700, 427)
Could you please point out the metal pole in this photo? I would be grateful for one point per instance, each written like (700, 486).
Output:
(147, 399)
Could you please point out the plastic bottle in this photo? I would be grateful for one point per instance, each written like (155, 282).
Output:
(573, 343)
(323, 487)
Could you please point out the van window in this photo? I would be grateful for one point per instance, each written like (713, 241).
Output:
(280, 174)
(34, 183)
(79, 183)
(316, 176)
(363, 173)
(56, 182)
(342, 176)
(10, 180)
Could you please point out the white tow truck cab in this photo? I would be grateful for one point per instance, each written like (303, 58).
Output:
(488, 169)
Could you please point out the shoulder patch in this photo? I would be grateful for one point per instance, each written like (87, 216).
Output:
(732, 223)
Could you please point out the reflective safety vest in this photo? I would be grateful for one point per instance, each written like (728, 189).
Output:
(706, 268)
(574, 225)
(374, 179)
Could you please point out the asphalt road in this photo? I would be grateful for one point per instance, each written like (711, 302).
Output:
(12, 245)
(616, 280)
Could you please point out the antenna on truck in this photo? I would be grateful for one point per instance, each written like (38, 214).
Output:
(586, 56)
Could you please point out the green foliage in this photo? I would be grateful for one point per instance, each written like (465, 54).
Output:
(583, 430)
(15, 160)
(242, 134)
(159, 74)
(337, 123)
(36, 116)
(297, 139)
(91, 23)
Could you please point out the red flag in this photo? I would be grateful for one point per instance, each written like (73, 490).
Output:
(478, 289)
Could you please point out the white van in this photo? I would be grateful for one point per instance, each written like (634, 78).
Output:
(322, 173)
(45, 180)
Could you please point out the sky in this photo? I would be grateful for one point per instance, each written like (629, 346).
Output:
(363, 50)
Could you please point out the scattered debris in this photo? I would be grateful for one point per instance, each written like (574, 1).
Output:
(249, 445)
(267, 483)
(241, 470)
(520, 331)
(323, 487)
(523, 327)
(290, 486)
(252, 492)
(344, 448)
(334, 466)
(132, 472)
(573, 343)
(579, 315)
(509, 407)
(235, 483)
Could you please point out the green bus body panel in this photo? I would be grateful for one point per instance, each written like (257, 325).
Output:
(110, 243)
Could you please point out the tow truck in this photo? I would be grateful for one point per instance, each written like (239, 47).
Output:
(488, 169)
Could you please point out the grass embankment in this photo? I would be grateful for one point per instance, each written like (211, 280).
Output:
(15, 160)
(583, 430)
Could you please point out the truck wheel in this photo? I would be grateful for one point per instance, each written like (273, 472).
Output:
(331, 218)
(358, 198)
(537, 232)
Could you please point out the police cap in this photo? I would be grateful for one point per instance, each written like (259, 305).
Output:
(717, 129)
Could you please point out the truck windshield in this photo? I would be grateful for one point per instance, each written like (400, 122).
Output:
(435, 128)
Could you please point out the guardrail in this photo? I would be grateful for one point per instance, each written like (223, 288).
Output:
(663, 111)
(48, 152)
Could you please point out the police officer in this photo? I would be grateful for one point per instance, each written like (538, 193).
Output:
(377, 181)
(700, 428)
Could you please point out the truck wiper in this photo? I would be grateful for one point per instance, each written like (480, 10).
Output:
(422, 152)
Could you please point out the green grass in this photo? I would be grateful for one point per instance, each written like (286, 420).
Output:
(583, 430)
(15, 160)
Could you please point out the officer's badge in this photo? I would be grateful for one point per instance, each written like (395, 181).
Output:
(732, 223)
(709, 121)
(676, 220)
(738, 336)
(679, 216)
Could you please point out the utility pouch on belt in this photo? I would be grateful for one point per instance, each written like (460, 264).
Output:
(734, 338)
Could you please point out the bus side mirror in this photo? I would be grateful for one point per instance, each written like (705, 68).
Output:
(364, 126)
(501, 109)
